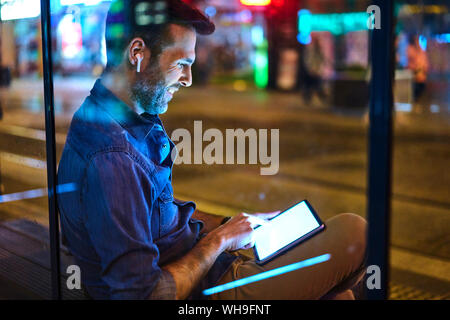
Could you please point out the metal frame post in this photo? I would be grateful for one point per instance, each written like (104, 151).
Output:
(50, 148)
(380, 146)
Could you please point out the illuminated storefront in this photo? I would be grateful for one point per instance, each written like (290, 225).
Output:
(239, 45)
(21, 36)
(79, 46)
(79, 37)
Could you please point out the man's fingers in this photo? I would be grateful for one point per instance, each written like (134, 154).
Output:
(256, 221)
(249, 245)
(266, 215)
(252, 241)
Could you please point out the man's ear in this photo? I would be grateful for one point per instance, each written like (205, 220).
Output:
(137, 52)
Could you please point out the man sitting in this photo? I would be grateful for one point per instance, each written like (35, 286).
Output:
(131, 238)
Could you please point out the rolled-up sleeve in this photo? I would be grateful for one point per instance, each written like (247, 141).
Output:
(117, 198)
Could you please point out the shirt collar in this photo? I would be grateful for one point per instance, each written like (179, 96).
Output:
(139, 126)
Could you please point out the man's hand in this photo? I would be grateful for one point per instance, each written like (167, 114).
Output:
(234, 235)
(238, 232)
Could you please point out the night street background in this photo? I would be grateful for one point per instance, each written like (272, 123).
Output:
(323, 158)
(304, 67)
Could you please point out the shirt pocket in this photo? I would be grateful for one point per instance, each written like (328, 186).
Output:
(168, 211)
(160, 146)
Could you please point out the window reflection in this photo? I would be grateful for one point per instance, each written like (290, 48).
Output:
(24, 242)
(314, 88)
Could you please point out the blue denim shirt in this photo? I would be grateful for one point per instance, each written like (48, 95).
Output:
(123, 223)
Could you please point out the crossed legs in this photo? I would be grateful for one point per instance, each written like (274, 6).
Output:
(344, 239)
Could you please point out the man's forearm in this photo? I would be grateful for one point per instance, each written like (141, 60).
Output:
(192, 267)
(210, 221)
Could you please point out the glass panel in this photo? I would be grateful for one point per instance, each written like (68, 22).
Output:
(420, 217)
(299, 93)
(79, 56)
(24, 239)
(313, 108)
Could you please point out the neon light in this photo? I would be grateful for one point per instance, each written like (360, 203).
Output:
(443, 38)
(72, 41)
(423, 42)
(117, 7)
(245, 16)
(304, 21)
(434, 108)
(116, 30)
(36, 193)
(336, 23)
(85, 2)
(403, 107)
(261, 59)
(19, 9)
(65, 188)
(257, 33)
(267, 274)
(255, 2)
(278, 3)
(304, 38)
(430, 9)
(261, 67)
(30, 194)
(210, 11)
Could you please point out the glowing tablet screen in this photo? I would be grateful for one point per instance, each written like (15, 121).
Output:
(284, 229)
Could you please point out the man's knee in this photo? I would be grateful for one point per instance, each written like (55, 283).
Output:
(353, 230)
(352, 222)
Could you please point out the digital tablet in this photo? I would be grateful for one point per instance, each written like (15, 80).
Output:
(286, 230)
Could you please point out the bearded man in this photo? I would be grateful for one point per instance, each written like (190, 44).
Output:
(130, 237)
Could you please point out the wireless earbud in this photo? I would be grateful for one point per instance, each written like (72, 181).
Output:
(139, 57)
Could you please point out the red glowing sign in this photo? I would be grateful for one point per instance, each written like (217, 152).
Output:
(259, 3)
(278, 3)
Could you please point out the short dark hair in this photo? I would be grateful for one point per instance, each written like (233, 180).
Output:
(149, 20)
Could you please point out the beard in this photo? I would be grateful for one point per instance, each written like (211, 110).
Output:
(149, 90)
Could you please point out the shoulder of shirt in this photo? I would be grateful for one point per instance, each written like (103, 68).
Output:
(93, 134)
(93, 131)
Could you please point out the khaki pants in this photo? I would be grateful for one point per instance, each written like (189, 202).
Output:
(344, 238)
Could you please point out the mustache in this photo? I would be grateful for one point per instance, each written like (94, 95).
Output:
(175, 86)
